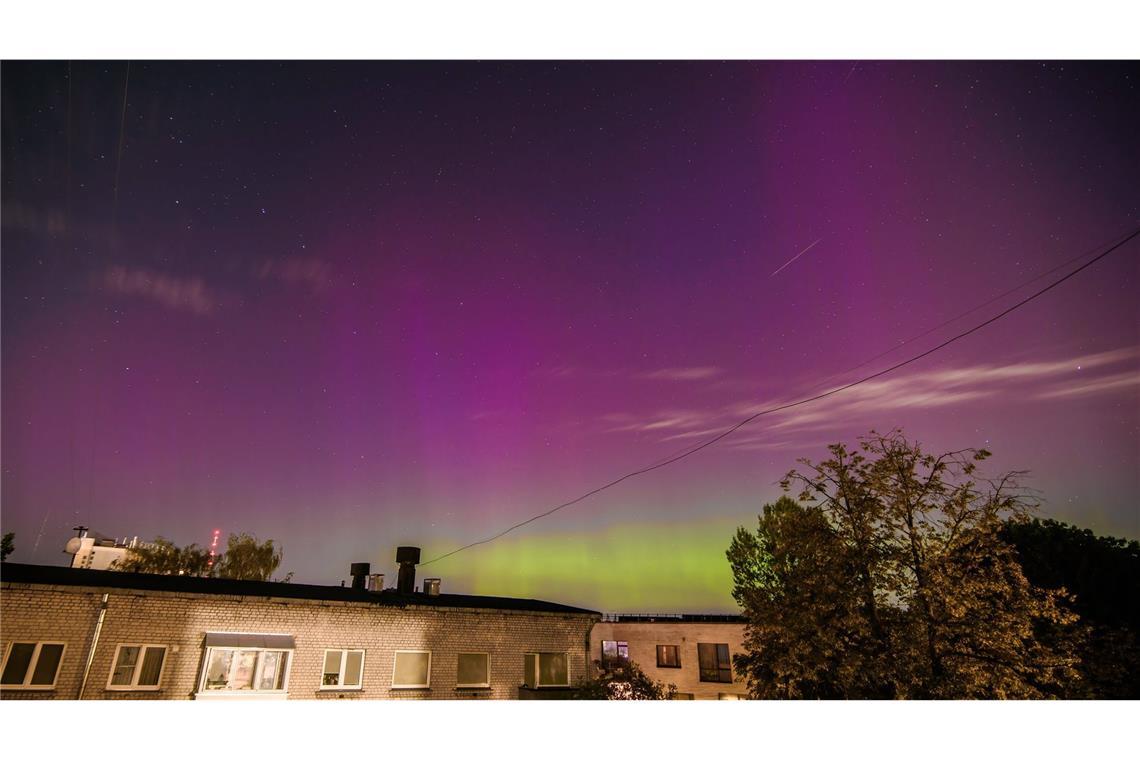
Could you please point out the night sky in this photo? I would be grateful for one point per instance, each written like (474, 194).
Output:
(348, 306)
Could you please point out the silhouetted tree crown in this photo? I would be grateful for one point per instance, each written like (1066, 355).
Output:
(244, 559)
(621, 679)
(1102, 574)
(887, 578)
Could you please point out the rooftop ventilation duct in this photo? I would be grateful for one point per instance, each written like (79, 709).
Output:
(359, 572)
(407, 557)
(431, 586)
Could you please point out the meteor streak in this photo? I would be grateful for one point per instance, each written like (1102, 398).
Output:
(789, 261)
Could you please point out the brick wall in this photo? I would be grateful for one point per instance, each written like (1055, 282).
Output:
(33, 612)
(643, 638)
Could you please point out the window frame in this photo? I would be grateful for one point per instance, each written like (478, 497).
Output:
(32, 663)
(676, 651)
(257, 673)
(395, 656)
(484, 685)
(538, 670)
(618, 647)
(341, 686)
(720, 670)
(134, 684)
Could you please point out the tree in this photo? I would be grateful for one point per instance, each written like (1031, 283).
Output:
(246, 559)
(1103, 576)
(622, 679)
(888, 578)
(7, 546)
(162, 557)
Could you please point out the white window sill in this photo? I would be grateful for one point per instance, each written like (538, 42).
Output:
(247, 694)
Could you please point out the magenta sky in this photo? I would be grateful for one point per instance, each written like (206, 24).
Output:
(352, 305)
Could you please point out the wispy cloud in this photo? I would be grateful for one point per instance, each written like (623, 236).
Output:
(297, 270)
(681, 373)
(1107, 384)
(188, 294)
(930, 389)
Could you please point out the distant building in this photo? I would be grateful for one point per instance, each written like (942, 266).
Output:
(692, 652)
(77, 634)
(92, 550)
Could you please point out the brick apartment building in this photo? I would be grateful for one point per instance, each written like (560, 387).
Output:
(693, 652)
(87, 634)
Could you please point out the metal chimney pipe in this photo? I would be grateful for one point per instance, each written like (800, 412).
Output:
(359, 572)
(407, 557)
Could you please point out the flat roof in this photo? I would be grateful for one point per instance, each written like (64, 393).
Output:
(13, 572)
(667, 617)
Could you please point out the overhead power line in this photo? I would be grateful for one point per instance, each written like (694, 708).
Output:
(771, 410)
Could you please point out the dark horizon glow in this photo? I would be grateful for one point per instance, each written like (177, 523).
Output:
(354, 305)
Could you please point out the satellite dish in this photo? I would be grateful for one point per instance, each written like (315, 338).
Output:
(73, 545)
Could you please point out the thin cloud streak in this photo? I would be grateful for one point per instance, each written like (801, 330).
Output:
(931, 389)
(682, 373)
(189, 294)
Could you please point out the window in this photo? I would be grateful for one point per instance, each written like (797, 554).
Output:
(546, 669)
(411, 670)
(615, 650)
(474, 670)
(714, 663)
(682, 695)
(31, 665)
(137, 666)
(249, 664)
(245, 670)
(344, 669)
(668, 656)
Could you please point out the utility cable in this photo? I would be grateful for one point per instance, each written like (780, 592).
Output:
(771, 410)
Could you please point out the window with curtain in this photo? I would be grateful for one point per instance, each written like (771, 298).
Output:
(473, 669)
(343, 669)
(137, 666)
(716, 667)
(411, 670)
(668, 656)
(245, 670)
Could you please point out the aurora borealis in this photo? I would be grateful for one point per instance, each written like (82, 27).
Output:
(348, 306)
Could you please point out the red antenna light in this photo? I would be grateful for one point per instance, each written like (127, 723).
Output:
(213, 548)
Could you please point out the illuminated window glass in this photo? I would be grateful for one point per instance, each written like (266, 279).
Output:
(412, 670)
(343, 669)
(137, 666)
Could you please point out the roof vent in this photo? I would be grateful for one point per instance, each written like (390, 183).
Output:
(407, 557)
(431, 586)
(359, 573)
(376, 582)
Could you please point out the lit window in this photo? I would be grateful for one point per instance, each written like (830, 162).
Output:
(137, 666)
(546, 669)
(245, 670)
(31, 665)
(714, 662)
(474, 670)
(343, 669)
(411, 670)
(615, 650)
(668, 656)
(682, 695)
